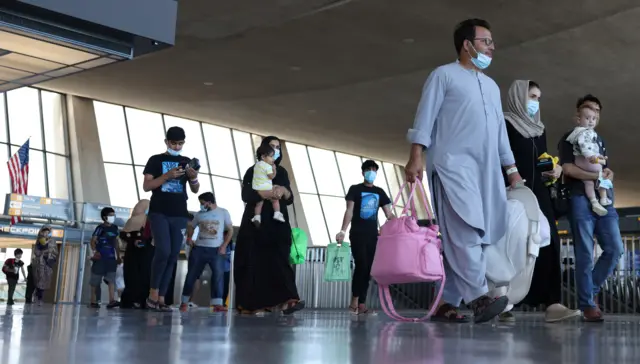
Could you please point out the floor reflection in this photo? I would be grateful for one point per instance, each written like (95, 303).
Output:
(67, 334)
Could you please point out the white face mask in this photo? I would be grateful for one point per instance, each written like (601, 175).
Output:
(111, 219)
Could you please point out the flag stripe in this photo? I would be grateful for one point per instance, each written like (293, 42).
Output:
(18, 167)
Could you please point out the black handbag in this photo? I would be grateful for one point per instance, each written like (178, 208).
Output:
(560, 198)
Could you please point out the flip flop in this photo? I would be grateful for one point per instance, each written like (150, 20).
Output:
(294, 307)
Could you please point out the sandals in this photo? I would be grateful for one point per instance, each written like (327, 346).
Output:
(157, 306)
(486, 308)
(353, 310)
(450, 314)
(293, 307)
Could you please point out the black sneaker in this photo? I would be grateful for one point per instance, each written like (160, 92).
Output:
(486, 308)
(113, 304)
(94, 305)
(10, 303)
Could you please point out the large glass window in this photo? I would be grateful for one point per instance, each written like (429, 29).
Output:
(139, 134)
(323, 177)
(146, 133)
(221, 151)
(37, 116)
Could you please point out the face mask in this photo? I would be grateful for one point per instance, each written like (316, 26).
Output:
(42, 241)
(532, 107)
(276, 154)
(18, 257)
(481, 61)
(111, 219)
(174, 153)
(204, 208)
(370, 176)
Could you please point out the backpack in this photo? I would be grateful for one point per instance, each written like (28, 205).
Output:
(408, 253)
(511, 260)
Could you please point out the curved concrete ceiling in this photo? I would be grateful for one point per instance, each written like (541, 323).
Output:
(347, 75)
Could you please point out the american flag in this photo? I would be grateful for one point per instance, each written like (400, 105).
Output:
(19, 172)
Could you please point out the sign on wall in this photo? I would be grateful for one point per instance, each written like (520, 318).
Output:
(38, 207)
(92, 213)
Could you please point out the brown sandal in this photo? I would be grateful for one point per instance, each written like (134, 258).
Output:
(449, 313)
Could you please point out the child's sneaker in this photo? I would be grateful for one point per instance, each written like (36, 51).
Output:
(605, 201)
(218, 308)
(257, 220)
(597, 208)
(278, 216)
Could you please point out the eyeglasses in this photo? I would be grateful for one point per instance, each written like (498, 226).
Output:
(487, 41)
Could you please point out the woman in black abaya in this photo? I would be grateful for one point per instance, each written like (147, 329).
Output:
(263, 276)
(528, 141)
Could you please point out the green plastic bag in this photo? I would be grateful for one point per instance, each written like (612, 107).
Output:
(337, 266)
(299, 242)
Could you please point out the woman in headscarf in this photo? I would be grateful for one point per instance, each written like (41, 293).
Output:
(263, 276)
(45, 257)
(138, 256)
(528, 141)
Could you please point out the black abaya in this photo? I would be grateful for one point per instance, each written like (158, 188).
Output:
(263, 276)
(136, 272)
(546, 283)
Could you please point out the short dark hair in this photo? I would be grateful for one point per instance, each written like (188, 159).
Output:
(368, 164)
(588, 98)
(105, 212)
(533, 84)
(17, 251)
(207, 197)
(264, 150)
(466, 30)
(175, 134)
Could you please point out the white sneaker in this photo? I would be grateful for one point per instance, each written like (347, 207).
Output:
(257, 220)
(278, 216)
(597, 208)
(605, 201)
(192, 305)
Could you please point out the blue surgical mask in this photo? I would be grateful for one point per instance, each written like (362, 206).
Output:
(204, 208)
(146, 212)
(276, 154)
(370, 176)
(481, 61)
(174, 153)
(532, 107)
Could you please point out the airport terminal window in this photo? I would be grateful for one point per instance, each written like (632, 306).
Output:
(315, 219)
(24, 117)
(32, 114)
(112, 131)
(349, 169)
(301, 168)
(146, 133)
(220, 150)
(229, 196)
(53, 122)
(325, 172)
(121, 184)
(245, 151)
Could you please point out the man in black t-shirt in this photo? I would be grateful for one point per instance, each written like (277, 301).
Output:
(363, 202)
(584, 224)
(167, 175)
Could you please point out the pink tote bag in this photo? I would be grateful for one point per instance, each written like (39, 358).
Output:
(408, 253)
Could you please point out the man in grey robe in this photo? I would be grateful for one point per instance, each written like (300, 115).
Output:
(460, 124)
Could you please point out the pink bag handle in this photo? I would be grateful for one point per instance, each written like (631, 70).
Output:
(411, 203)
(387, 302)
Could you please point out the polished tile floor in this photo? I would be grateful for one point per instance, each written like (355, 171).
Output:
(70, 335)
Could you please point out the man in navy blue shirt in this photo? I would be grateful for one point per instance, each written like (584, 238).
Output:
(106, 257)
(584, 224)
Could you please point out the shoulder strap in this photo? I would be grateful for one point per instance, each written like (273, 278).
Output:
(387, 302)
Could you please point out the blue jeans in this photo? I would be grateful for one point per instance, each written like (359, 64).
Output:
(168, 234)
(201, 256)
(584, 224)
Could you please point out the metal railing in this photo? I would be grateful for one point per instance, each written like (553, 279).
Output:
(619, 294)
